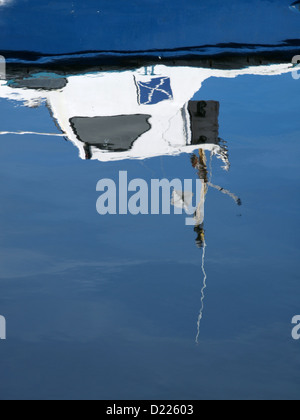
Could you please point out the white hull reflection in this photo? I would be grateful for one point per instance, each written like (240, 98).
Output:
(111, 116)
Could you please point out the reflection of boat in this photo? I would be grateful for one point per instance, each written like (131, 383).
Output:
(138, 114)
(72, 26)
(131, 114)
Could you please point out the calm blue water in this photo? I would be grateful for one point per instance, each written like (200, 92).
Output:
(107, 307)
(68, 26)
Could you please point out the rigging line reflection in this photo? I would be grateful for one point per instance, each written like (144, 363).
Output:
(210, 166)
(142, 163)
(226, 192)
(201, 165)
(205, 175)
(202, 294)
(24, 133)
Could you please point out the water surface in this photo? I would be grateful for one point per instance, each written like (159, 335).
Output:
(107, 307)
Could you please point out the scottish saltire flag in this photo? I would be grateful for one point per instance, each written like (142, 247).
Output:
(154, 91)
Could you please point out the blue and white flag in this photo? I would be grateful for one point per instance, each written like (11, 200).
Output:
(154, 91)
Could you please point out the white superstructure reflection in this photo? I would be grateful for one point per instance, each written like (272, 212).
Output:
(138, 114)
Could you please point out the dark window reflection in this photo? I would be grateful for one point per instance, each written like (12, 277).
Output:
(204, 121)
(112, 134)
